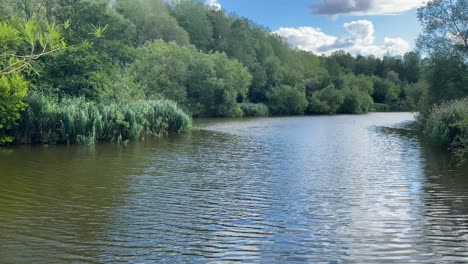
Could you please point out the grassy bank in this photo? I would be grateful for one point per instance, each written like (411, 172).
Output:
(78, 121)
(447, 125)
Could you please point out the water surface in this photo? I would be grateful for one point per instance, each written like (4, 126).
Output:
(331, 189)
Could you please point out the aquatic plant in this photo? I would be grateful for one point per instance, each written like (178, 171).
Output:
(48, 120)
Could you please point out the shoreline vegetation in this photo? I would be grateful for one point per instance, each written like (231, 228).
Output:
(92, 71)
(447, 125)
(77, 121)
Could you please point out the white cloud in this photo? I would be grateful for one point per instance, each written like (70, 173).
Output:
(306, 38)
(365, 7)
(213, 4)
(358, 40)
(361, 31)
(395, 46)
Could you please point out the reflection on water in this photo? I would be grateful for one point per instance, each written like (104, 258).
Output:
(335, 189)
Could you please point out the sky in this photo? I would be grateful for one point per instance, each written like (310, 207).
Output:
(366, 27)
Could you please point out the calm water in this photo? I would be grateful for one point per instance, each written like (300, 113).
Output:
(340, 189)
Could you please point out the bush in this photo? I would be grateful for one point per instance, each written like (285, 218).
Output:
(75, 120)
(251, 109)
(13, 89)
(286, 100)
(447, 125)
(326, 101)
(356, 102)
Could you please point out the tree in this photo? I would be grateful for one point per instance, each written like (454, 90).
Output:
(162, 68)
(287, 100)
(326, 101)
(193, 17)
(448, 78)
(411, 67)
(445, 39)
(235, 80)
(445, 27)
(221, 24)
(76, 71)
(365, 65)
(356, 102)
(385, 91)
(152, 20)
(345, 60)
(40, 38)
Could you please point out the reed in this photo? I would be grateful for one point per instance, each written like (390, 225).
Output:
(78, 121)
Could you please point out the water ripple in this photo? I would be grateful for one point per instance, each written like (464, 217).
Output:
(340, 189)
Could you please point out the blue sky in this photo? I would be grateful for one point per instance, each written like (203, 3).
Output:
(372, 26)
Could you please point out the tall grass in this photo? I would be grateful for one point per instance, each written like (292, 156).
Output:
(75, 120)
(447, 125)
(251, 109)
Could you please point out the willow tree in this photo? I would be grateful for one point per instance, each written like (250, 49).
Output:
(445, 40)
(445, 26)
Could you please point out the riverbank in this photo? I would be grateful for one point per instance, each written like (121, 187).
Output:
(447, 125)
(78, 121)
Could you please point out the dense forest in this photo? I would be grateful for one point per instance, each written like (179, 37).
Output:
(75, 70)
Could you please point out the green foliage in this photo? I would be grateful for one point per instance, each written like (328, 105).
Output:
(447, 125)
(447, 78)
(287, 100)
(91, 20)
(414, 94)
(411, 67)
(443, 114)
(193, 17)
(235, 81)
(76, 120)
(24, 42)
(162, 68)
(13, 88)
(385, 91)
(326, 101)
(204, 84)
(38, 38)
(356, 102)
(445, 27)
(152, 21)
(205, 60)
(74, 71)
(256, 110)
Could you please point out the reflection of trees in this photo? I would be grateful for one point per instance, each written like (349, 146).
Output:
(446, 204)
(445, 176)
(447, 180)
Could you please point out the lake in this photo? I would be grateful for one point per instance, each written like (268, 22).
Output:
(319, 189)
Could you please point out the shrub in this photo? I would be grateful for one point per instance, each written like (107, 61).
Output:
(447, 125)
(286, 100)
(356, 102)
(326, 101)
(13, 89)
